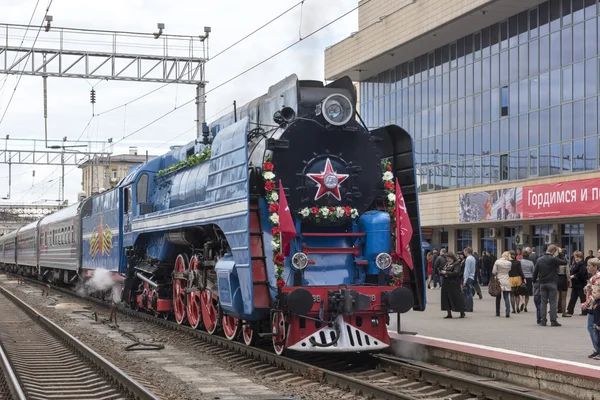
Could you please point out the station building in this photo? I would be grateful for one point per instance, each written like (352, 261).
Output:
(501, 100)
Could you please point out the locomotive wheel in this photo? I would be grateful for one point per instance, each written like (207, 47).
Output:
(194, 306)
(181, 264)
(278, 323)
(210, 310)
(249, 333)
(231, 327)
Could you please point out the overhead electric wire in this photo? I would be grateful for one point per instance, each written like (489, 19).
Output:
(212, 58)
(26, 60)
(243, 72)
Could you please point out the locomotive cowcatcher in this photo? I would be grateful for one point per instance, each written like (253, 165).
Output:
(275, 224)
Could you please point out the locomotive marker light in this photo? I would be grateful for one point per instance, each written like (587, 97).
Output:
(336, 109)
(383, 261)
(299, 261)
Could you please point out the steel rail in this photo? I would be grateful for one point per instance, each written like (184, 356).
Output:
(11, 378)
(430, 376)
(125, 381)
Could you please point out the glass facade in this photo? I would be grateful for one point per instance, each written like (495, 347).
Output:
(537, 239)
(571, 238)
(488, 242)
(464, 239)
(516, 100)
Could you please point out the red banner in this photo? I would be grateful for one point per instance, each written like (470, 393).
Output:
(561, 199)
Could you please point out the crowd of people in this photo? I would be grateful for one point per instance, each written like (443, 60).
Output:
(515, 277)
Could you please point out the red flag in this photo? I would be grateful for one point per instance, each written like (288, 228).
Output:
(286, 223)
(404, 229)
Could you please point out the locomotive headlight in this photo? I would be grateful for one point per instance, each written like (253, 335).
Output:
(299, 261)
(336, 109)
(383, 260)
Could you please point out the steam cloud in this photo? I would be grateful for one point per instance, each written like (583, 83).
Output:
(100, 281)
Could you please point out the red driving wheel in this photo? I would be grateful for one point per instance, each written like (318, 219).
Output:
(181, 264)
(278, 327)
(210, 310)
(249, 333)
(193, 306)
(230, 326)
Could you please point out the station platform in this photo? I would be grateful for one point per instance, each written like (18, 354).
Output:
(519, 333)
(512, 349)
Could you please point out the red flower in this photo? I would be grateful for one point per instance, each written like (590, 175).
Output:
(389, 167)
(398, 282)
(274, 207)
(331, 209)
(275, 231)
(268, 166)
(269, 185)
(389, 185)
(315, 210)
(347, 211)
(280, 283)
(279, 259)
(396, 257)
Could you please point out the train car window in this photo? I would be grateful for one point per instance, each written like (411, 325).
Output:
(72, 235)
(142, 189)
(126, 201)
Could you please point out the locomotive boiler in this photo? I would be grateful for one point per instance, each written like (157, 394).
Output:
(275, 224)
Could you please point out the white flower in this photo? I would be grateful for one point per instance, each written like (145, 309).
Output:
(324, 211)
(339, 211)
(274, 245)
(353, 213)
(396, 269)
(392, 197)
(274, 196)
(274, 218)
(388, 176)
(305, 212)
(268, 175)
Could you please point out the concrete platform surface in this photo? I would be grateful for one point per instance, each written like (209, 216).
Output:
(519, 333)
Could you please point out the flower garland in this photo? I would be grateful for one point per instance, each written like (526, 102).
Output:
(272, 198)
(190, 161)
(390, 197)
(328, 213)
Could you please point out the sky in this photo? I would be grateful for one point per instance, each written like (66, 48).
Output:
(70, 112)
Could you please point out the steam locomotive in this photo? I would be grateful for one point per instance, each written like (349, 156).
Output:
(197, 233)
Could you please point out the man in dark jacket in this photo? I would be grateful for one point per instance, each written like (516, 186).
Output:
(439, 263)
(578, 281)
(546, 273)
(532, 254)
(476, 286)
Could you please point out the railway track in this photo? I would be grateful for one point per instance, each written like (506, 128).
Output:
(373, 376)
(41, 361)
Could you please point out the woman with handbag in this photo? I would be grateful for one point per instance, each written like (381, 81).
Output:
(516, 278)
(500, 272)
(452, 297)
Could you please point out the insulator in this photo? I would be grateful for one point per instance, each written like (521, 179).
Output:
(93, 96)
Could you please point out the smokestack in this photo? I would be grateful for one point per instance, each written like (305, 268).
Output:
(133, 151)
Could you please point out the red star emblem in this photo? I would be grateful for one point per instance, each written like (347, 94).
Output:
(328, 182)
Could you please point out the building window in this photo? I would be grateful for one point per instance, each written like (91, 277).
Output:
(510, 238)
(488, 242)
(504, 167)
(464, 239)
(504, 101)
(539, 237)
(114, 174)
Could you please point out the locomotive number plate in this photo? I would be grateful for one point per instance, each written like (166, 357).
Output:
(316, 299)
